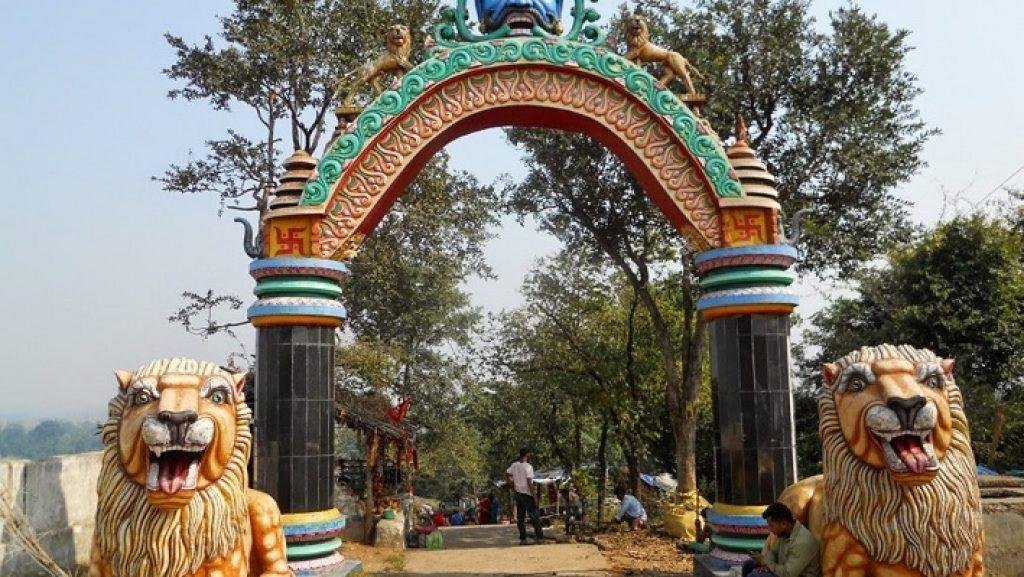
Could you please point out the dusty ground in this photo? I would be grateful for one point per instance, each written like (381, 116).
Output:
(495, 551)
(374, 560)
(643, 553)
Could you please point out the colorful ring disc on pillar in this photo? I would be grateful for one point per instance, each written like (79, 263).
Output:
(297, 291)
(739, 529)
(717, 518)
(729, 557)
(318, 549)
(314, 531)
(277, 267)
(311, 567)
(313, 540)
(740, 544)
(747, 280)
(736, 530)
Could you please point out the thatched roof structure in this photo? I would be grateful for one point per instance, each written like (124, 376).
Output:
(369, 413)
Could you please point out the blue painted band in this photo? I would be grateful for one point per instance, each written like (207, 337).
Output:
(270, 310)
(743, 521)
(331, 265)
(722, 299)
(308, 528)
(772, 249)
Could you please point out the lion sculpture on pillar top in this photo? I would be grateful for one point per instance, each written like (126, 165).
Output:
(899, 493)
(173, 496)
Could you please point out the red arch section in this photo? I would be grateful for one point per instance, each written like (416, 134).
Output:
(526, 96)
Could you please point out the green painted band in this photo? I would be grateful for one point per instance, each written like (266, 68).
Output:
(297, 286)
(307, 550)
(747, 277)
(741, 544)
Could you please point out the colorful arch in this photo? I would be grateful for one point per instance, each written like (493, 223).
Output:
(515, 82)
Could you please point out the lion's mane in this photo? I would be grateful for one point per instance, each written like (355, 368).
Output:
(138, 539)
(404, 50)
(933, 528)
(640, 39)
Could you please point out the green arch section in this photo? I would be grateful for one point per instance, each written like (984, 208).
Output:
(445, 64)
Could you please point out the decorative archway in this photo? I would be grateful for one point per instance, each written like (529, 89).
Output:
(722, 202)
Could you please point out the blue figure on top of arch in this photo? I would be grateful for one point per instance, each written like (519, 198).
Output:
(521, 15)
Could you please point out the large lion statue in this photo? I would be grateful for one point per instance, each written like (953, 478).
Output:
(642, 51)
(172, 491)
(395, 61)
(899, 493)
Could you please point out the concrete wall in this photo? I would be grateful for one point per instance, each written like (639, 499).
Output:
(1004, 537)
(58, 495)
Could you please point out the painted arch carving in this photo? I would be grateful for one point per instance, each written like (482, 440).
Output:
(536, 83)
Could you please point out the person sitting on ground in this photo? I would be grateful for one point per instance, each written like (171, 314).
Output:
(439, 518)
(793, 553)
(456, 518)
(631, 511)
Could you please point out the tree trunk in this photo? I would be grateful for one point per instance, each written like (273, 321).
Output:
(369, 504)
(632, 463)
(997, 433)
(686, 436)
(602, 469)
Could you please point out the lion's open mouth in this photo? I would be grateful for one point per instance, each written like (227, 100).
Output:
(174, 467)
(907, 451)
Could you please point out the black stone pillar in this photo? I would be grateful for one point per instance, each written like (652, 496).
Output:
(295, 416)
(755, 449)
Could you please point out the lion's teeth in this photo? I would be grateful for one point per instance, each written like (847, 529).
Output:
(152, 480)
(157, 451)
(193, 475)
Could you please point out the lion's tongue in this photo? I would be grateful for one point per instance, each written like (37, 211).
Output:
(910, 451)
(173, 471)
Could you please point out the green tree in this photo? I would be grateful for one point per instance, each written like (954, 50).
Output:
(410, 319)
(584, 196)
(279, 64)
(833, 116)
(831, 112)
(48, 438)
(959, 291)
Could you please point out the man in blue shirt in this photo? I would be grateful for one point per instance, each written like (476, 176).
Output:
(631, 511)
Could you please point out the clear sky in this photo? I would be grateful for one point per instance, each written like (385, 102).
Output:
(94, 254)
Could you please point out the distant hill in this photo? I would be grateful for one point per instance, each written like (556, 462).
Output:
(48, 438)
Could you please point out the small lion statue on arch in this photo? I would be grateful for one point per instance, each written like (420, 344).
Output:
(173, 496)
(642, 51)
(899, 493)
(395, 61)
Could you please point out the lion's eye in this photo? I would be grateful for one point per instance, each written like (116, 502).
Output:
(935, 382)
(219, 397)
(142, 398)
(856, 384)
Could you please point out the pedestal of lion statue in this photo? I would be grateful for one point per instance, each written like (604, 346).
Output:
(899, 492)
(173, 496)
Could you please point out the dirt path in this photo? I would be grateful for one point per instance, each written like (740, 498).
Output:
(495, 550)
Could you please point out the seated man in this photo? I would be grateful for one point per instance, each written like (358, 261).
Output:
(793, 552)
(631, 511)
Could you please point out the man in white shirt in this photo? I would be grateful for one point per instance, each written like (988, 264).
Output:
(520, 474)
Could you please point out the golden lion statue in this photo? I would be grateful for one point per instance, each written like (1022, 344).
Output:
(394, 61)
(899, 494)
(642, 51)
(172, 491)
